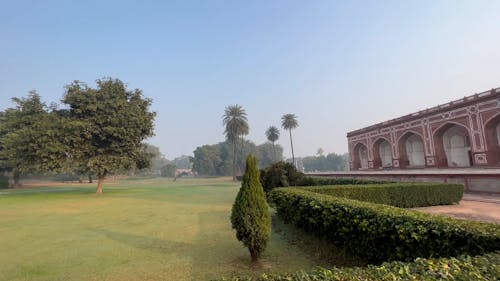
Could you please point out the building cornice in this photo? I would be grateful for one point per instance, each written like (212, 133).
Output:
(464, 102)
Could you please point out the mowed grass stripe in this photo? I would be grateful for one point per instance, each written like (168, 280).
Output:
(138, 230)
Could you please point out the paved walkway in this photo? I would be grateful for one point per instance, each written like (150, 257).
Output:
(473, 207)
(487, 198)
(427, 171)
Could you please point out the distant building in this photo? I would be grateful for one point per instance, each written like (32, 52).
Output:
(184, 172)
(461, 133)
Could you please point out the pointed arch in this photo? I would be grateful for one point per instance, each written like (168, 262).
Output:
(411, 150)
(452, 145)
(410, 132)
(360, 156)
(492, 137)
(447, 124)
(382, 153)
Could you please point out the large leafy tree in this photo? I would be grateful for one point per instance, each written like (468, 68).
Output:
(273, 134)
(5, 164)
(34, 138)
(235, 127)
(114, 123)
(250, 215)
(289, 122)
(206, 160)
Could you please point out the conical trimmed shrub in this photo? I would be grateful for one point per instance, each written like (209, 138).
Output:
(250, 216)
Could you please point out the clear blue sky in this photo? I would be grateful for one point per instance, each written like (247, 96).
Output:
(338, 65)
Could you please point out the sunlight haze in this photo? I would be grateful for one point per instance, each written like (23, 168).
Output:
(337, 65)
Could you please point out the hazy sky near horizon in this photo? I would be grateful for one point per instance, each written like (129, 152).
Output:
(338, 65)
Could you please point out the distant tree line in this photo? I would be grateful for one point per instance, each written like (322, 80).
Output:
(324, 163)
(217, 159)
(160, 165)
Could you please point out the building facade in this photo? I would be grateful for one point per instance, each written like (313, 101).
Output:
(462, 133)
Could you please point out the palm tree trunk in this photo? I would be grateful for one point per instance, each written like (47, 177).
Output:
(274, 152)
(234, 160)
(291, 143)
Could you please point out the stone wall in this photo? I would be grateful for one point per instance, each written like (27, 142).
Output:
(461, 133)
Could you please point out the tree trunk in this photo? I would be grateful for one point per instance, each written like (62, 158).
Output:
(291, 144)
(255, 257)
(234, 160)
(100, 182)
(274, 152)
(90, 178)
(17, 176)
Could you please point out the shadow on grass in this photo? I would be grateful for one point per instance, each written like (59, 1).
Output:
(35, 191)
(146, 242)
(323, 252)
(215, 243)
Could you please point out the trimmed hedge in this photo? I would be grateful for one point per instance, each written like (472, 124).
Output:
(283, 174)
(404, 195)
(482, 268)
(379, 232)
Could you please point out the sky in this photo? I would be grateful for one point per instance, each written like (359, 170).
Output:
(337, 65)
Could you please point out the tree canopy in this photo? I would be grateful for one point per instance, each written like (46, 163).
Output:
(114, 123)
(100, 131)
(289, 122)
(235, 127)
(216, 159)
(34, 138)
(272, 135)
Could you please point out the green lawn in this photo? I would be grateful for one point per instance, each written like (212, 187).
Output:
(139, 230)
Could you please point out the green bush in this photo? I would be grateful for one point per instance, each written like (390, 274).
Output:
(250, 215)
(479, 268)
(280, 174)
(283, 174)
(402, 194)
(383, 233)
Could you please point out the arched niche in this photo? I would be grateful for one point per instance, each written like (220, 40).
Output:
(382, 154)
(498, 134)
(360, 157)
(492, 136)
(411, 151)
(452, 145)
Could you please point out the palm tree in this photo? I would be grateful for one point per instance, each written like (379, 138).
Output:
(289, 122)
(273, 134)
(236, 125)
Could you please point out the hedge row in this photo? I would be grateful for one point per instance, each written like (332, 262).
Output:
(481, 268)
(404, 195)
(283, 174)
(383, 233)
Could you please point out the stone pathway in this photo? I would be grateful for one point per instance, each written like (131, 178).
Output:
(487, 198)
(473, 207)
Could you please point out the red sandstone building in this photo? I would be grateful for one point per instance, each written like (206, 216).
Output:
(462, 133)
